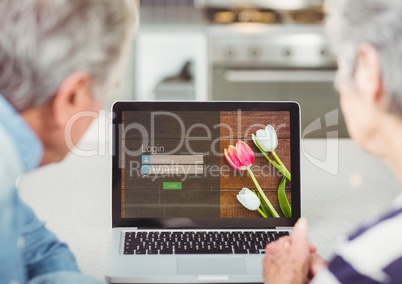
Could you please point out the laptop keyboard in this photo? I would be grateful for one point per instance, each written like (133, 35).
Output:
(199, 242)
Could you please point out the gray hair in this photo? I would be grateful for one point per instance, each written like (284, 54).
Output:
(376, 22)
(42, 42)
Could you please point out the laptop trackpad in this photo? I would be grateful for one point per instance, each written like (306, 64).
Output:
(210, 265)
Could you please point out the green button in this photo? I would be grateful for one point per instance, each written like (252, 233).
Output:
(172, 185)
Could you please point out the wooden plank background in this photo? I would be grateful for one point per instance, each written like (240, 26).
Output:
(173, 203)
(269, 180)
(167, 126)
(242, 125)
(232, 208)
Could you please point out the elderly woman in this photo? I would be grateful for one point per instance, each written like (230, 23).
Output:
(367, 38)
(57, 58)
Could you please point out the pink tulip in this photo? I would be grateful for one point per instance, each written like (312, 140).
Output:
(240, 157)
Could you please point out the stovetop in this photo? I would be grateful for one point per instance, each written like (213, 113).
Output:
(313, 16)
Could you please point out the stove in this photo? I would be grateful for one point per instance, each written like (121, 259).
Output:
(257, 53)
(242, 15)
(233, 15)
(270, 46)
(262, 34)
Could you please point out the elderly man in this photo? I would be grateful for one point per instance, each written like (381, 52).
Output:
(367, 38)
(57, 58)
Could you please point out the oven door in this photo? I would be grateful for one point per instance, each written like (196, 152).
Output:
(313, 89)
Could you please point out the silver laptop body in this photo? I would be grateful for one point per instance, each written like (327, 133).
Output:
(162, 183)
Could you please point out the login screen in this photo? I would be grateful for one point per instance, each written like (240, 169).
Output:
(178, 164)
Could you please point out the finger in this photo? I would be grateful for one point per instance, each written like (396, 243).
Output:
(300, 234)
(279, 242)
(313, 248)
(284, 242)
(317, 264)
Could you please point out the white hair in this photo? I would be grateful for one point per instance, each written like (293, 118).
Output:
(378, 23)
(42, 42)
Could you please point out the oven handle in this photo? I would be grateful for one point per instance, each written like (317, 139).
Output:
(310, 76)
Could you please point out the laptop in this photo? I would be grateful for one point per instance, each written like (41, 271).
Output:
(179, 211)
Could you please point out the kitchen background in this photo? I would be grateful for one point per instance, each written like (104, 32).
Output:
(284, 57)
(262, 50)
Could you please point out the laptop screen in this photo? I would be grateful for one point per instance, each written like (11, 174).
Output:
(205, 163)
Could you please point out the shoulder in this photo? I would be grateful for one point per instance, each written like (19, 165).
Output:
(373, 254)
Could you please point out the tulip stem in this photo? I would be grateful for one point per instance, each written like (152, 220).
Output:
(279, 166)
(262, 213)
(286, 172)
(271, 208)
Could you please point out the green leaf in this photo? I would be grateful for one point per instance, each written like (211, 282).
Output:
(263, 206)
(266, 210)
(283, 200)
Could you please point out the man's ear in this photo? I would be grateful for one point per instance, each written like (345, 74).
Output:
(368, 73)
(71, 97)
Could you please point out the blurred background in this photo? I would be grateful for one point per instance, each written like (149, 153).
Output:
(223, 50)
(243, 50)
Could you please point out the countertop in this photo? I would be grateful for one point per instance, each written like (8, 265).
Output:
(73, 197)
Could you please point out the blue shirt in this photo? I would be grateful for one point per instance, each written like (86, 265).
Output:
(28, 250)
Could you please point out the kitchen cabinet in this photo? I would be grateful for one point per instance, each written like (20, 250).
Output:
(161, 53)
(169, 36)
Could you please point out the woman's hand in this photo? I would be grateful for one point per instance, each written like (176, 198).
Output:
(288, 260)
(317, 263)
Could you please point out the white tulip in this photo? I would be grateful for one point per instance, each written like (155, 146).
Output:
(266, 138)
(248, 199)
